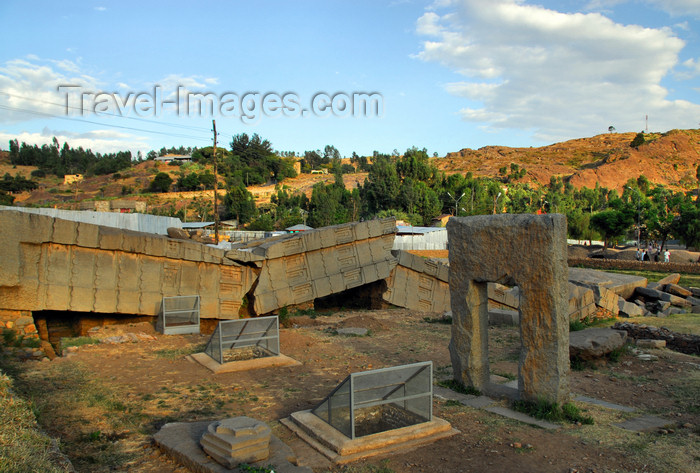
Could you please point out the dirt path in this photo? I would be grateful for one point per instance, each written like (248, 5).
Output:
(106, 401)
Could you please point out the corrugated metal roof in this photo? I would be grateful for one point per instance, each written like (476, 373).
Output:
(196, 224)
(400, 229)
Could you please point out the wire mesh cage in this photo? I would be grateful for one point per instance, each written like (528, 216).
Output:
(375, 401)
(235, 340)
(179, 315)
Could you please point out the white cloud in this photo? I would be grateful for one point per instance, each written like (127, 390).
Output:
(31, 85)
(678, 7)
(672, 7)
(100, 8)
(561, 75)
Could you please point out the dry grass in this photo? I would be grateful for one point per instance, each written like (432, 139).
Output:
(23, 448)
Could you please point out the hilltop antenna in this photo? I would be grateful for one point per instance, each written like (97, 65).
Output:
(646, 126)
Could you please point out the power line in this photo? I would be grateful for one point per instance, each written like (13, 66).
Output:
(141, 130)
(174, 125)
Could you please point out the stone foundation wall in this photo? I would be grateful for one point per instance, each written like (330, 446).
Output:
(19, 334)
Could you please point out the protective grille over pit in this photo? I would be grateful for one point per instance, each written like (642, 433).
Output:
(379, 400)
(235, 340)
(179, 315)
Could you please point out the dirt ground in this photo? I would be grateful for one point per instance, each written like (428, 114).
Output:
(104, 402)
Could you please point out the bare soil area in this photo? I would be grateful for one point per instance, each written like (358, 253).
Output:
(104, 402)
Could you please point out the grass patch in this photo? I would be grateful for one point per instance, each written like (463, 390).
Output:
(553, 412)
(458, 387)
(78, 342)
(503, 374)
(681, 323)
(174, 353)
(22, 447)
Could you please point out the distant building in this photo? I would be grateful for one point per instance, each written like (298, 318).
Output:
(174, 157)
(72, 178)
(299, 228)
(120, 206)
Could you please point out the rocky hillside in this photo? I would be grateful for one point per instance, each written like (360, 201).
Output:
(670, 158)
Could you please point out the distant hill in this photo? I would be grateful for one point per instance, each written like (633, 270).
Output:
(669, 158)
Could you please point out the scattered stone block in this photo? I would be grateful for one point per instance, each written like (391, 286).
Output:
(693, 300)
(675, 300)
(353, 331)
(237, 440)
(648, 294)
(581, 302)
(629, 309)
(595, 343)
(676, 310)
(677, 290)
(695, 291)
(532, 255)
(670, 279)
(178, 233)
(650, 343)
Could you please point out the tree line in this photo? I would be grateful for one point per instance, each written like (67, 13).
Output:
(405, 185)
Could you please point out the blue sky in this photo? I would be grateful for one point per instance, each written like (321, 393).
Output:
(451, 74)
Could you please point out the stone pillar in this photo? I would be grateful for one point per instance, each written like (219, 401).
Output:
(524, 250)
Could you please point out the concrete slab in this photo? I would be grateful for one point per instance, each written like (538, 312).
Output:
(340, 449)
(243, 365)
(180, 440)
(643, 423)
(520, 417)
(477, 402)
(608, 405)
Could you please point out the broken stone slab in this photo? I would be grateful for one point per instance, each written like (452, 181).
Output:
(313, 240)
(693, 300)
(503, 317)
(507, 296)
(670, 279)
(695, 291)
(651, 295)
(621, 284)
(629, 309)
(675, 311)
(650, 343)
(595, 343)
(581, 302)
(677, 290)
(644, 423)
(237, 440)
(695, 309)
(418, 284)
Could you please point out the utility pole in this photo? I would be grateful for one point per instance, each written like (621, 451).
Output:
(216, 182)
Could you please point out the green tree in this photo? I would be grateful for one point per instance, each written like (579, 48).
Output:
(612, 224)
(240, 203)
(687, 226)
(638, 140)
(381, 188)
(161, 182)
